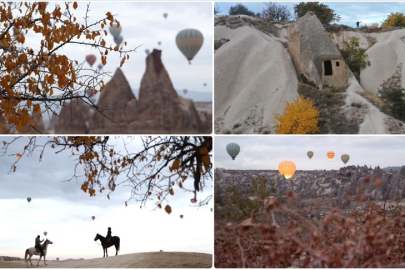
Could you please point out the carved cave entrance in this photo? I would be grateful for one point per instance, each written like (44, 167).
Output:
(327, 68)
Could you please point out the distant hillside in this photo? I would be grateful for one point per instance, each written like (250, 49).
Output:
(196, 95)
(394, 168)
(72, 260)
(322, 183)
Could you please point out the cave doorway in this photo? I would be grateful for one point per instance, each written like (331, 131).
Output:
(327, 68)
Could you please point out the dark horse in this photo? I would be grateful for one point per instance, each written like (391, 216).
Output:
(115, 240)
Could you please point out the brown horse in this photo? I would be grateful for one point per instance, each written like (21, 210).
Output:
(115, 240)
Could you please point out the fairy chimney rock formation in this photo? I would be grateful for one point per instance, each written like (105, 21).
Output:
(73, 118)
(118, 104)
(159, 109)
(159, 104)
(314, 54)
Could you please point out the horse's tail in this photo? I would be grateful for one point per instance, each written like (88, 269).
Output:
(26, 254)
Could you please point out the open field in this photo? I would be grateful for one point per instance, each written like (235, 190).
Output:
(137, 260)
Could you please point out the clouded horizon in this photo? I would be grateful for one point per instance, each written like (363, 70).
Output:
(266, 152)
(63, 210)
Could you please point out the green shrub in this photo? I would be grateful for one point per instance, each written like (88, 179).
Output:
(354, 56)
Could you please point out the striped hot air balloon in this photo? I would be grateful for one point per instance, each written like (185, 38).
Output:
(189, 42)
(233, 150)
(330, 155)
(287, 168)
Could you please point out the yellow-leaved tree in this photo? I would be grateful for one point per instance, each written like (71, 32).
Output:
(156, 171)
(36, 77)
(299, 117)
(396, 19)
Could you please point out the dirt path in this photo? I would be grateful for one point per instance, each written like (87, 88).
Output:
(137, 260)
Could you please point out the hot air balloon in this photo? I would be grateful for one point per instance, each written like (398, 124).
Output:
(147, 52)
(205, 84)
(287, 168)
(100, 66)
(181, 216)
(45, 233)
(192, 200)
(93, 217)
(189, 42)
(165, 15)
(65, 13)
(233, 150)
(10, 3)
(91, 59)
(310, 154)
(330, 155)
(345, 158)
(90, 92)
(159, 43)
(29, 199)
(118, 40)
(185, 91)
(114, 30)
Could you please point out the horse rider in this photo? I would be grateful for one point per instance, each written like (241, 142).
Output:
(108, 235)
(358, 24)
(38, 245)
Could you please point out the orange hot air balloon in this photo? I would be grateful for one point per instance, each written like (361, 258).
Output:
(287, 168)
(18, 155)
(330, 155)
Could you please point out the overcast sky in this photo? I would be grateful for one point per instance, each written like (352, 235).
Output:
(64, 211)
(266, 152)
(350, 12)
(143, 25)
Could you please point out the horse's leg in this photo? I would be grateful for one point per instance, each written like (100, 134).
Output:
(30, 259)
(103, 251)
(45, 259)
(40, 257)
(106, 251)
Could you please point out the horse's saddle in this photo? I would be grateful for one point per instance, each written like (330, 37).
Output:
(37, 250)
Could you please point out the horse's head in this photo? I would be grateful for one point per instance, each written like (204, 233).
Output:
(97, 237)
(48, 242)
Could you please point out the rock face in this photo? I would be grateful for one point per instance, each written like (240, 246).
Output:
(73, 118)
(254, 76)
(160, 109)
(314, 54)
(387, 57)
(118, 104)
